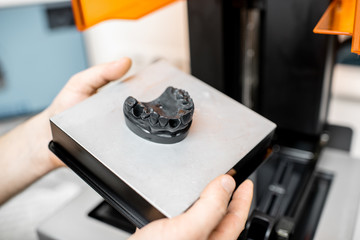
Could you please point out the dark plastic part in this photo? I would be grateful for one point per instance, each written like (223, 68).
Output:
(258, 227)
(284, 228)
(287, 187)
(340, 137)
(166, 119)
(294, 79)
(60, 16)
(2, 77)
(104, 212)
(308, 222)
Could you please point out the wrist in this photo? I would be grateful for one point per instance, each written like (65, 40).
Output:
(44, 156)
(24, 155)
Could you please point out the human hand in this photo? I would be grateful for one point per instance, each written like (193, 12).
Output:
(210, 218)
(81, 86)
(24, 154)
(84, 84)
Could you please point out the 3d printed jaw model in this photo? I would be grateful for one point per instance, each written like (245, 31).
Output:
(166, 119)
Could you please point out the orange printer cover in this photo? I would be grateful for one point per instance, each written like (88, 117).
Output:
(90, 12)
(342, 18)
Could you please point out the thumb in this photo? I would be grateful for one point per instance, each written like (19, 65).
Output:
(210, 209)
(90, 80)
(84, 84)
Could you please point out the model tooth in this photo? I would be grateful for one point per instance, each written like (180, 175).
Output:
(179, 94)
(174, 123)
(129, 103)
(154, 116)
(170, 90)
(189, 105)
(145, 113)
(163, 121)
(137, 110)
(185, 119)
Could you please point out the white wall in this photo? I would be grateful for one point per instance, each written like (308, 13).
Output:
(345, 103)
(161, 34)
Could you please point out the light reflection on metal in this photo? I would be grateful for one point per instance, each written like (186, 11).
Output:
(250, 67)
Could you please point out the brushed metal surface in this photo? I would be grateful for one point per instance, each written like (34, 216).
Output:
(170, 177)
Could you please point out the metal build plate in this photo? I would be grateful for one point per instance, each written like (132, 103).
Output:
(165, 178)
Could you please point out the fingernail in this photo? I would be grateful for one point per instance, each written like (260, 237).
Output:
(228, 184)
(124, 60)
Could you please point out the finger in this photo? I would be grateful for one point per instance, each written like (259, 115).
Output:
(90, 80)
(208, 211)
(238, 211)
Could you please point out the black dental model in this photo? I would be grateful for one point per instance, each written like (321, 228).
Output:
(166, 119)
